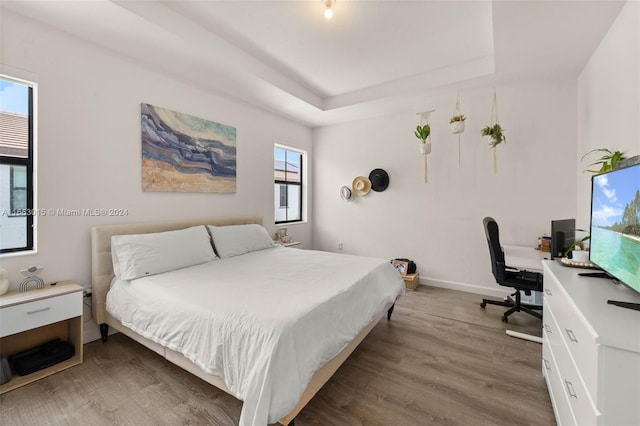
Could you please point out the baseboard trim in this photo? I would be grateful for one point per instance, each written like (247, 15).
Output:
(468, 288)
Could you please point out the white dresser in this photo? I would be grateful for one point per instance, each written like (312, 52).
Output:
(590, 349)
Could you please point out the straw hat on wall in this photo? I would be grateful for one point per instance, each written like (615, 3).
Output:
(361, 185)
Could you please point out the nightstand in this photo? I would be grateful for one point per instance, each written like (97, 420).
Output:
(34, 317)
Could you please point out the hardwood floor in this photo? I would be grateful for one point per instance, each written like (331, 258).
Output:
(440, 360)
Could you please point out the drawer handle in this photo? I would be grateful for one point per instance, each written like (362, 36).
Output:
(39, 310)
(547, 328)
(547, 365)
(569, 385)
(571, 335)
(548, 292)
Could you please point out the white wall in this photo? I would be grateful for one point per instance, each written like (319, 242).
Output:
(609, 100)
(439, 224)
(89, 152)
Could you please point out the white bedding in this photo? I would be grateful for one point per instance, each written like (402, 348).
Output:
(259, 320)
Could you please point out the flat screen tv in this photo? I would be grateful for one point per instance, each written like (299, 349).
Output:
(615, 224)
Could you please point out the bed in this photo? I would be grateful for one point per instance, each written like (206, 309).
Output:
(269, 326)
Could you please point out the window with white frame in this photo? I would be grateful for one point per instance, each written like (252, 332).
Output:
(288, 174)
(16, 165)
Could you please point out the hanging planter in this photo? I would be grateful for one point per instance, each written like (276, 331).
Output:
(425, 148)
(493, 134)
(423, 132)
(456, 123)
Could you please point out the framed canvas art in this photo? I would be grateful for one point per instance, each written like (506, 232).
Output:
(183, 153)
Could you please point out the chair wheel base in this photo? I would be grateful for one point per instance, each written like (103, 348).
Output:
(505, 319)
(483, 305)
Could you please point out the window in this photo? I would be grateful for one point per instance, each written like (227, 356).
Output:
(18, 190)
(16, 165)
(288, 184)
(283, 196)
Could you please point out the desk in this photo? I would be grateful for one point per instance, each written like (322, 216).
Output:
(522, 257)
(528, 258)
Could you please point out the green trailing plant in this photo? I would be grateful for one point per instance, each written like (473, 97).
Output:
(457, 118)
(496, 134)
(423, 132)
(607, 161)
(577, 243)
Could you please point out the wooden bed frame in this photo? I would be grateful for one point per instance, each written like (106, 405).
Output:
(102, 274)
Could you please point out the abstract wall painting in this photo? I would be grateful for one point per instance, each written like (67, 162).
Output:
(183, 153)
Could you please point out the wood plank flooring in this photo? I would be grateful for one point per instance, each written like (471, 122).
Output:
(441, 360)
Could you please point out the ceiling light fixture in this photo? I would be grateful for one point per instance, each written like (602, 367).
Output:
(328, 12)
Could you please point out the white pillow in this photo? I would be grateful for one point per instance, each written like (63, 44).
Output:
(234, 240)
(140, 255)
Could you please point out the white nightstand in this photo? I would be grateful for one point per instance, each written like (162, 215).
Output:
(34, 317)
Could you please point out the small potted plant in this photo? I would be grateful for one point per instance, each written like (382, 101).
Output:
(456, 123)
(422, 133)
(607, 161)
(579, 251)
(494, 134)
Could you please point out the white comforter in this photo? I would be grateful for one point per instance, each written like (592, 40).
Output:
(264, 321)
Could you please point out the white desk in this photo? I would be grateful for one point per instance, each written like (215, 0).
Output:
(522, 257)
(528, 258)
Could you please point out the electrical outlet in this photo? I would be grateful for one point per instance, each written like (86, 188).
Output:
(340, 246)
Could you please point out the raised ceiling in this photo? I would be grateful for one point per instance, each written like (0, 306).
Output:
(372, 58)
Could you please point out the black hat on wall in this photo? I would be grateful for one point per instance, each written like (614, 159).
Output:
(379, 180)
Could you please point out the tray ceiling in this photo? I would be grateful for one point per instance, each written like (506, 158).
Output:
(372, 58)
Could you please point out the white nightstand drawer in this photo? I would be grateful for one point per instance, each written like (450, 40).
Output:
(25, 316)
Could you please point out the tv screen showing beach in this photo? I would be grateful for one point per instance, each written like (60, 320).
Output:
(615, 224)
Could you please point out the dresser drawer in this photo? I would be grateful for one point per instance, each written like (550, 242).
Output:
(561, 406)
(576, 333)
(571, 382)
(25, 316)
(597, 353)
(550, 332)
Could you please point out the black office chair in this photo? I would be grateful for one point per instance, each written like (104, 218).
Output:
(520, 280)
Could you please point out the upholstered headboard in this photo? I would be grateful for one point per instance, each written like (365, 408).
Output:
(101, 262)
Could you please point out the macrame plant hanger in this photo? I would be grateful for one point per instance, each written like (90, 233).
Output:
(425, 148)
(494, 121)
(457, 112)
